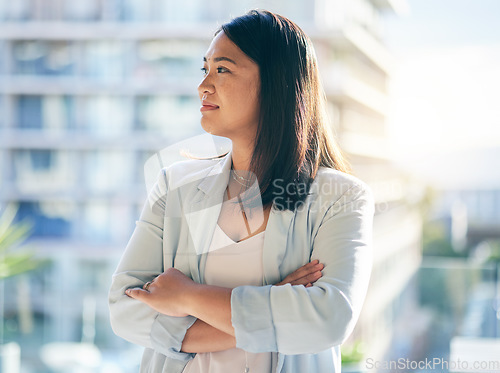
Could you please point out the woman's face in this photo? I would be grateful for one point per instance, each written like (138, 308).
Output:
(229, 91)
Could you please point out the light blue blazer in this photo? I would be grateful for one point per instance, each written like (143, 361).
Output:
(306, 326)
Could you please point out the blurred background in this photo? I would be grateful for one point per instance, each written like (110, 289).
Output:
(91, 89)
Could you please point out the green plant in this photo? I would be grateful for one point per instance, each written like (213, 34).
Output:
(494, 256)
(435, 241)
(14, 258)
(352, 352)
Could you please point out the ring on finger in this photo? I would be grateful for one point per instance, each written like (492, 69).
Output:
(146, 285)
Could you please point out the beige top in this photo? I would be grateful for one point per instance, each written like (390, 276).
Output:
(231, 264)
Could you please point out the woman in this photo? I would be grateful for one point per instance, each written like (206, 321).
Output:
(259, 260)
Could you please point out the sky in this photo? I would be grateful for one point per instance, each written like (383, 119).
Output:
(445, 87)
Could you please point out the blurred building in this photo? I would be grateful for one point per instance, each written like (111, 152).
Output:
(356, 68)
(467, 202)
(90, 89)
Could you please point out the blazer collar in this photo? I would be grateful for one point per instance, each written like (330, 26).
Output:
(217, 177)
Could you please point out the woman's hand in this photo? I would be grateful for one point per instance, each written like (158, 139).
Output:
(167, 293)
(306, 275)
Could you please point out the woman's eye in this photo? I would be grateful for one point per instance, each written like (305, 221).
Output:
(219, 70)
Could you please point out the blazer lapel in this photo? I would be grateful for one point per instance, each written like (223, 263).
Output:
(275, 244)
(203, 212)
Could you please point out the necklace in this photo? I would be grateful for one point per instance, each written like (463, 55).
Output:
(237, 180)
(240, 179)
(247, 369)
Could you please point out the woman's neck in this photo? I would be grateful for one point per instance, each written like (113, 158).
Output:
(241, 156)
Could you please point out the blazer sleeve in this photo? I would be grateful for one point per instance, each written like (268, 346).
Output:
(142, 261)
(295, 319)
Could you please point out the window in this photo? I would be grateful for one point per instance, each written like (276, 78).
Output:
(58, 112)
(188, 11)
(82, 10)
(44, 171)
(41, 159)
(29, 112)
(105, 60)
(173, 61)
(108, 115)
(49, 219)
(14, 10)
(136, 10)
(109, 170)
(105, 222)
(52, 112)
(35, 57)
(177, 117)
(97, 222)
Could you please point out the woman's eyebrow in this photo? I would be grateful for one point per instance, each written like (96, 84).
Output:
(218, 59)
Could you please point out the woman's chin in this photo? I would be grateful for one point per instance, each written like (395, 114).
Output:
(208, 128)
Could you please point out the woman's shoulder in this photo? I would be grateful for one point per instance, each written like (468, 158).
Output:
(334, 184)
(189, 170)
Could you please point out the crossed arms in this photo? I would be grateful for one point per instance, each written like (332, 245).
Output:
(178, 317)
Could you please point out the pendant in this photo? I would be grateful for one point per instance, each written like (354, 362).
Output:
(247, 369)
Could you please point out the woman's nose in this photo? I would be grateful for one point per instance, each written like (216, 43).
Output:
(206, 86)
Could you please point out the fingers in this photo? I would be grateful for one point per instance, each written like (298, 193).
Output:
(149, 283)
(310, 278)
(137, 293)
(301, 272)
(307, 274)
(309, 268)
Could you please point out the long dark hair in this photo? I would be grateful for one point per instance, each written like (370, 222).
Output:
(293, 138)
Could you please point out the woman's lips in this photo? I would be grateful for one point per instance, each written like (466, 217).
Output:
(207, 105)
